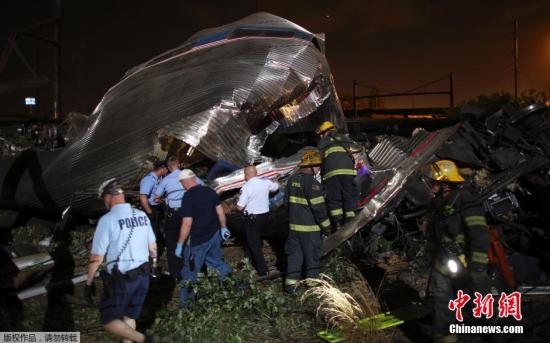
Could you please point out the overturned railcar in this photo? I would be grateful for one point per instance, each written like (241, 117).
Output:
(244, 92)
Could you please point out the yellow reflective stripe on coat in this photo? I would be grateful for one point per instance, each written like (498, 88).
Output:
(459, 239)
(480, 257)
(297, 200)
(350, 214)
(334, 149)
(340, 172)
(336, 212)
(304, 228)
(325, 223)
(317, 200)
(475, 220)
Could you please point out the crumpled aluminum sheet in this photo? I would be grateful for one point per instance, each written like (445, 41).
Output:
(422, 149)
(223, 92)
(271, 169)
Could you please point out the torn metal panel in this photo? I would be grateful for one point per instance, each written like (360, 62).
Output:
(388, 188)
(272, 169)
(32, 260)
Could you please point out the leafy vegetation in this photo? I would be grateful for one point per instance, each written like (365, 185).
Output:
(242, 310)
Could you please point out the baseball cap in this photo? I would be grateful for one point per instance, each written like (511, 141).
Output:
(110, 186)
(186, 174)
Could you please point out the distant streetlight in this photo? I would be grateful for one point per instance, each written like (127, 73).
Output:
(30, 102)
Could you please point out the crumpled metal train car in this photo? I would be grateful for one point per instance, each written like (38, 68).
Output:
(248, 91)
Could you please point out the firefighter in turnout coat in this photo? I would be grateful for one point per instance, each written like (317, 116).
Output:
(307, 218)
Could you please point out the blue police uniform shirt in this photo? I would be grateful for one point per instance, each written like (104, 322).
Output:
(112, 232)
(200, 204)
(173, 189)
(255, 195)
(147, 187)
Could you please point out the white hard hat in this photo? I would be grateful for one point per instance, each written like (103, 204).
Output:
(186, 174)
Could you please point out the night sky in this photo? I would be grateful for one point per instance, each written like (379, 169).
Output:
(394, 45)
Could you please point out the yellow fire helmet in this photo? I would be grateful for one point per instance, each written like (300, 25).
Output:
(311, 158)
(324, 127)
(445, 170)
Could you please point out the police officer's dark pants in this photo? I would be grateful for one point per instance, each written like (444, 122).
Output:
(172, 227)
(155, 217)
(255, 226)
(342, 198)
(302, 247)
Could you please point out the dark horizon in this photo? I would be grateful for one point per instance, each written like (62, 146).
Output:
(394, 45)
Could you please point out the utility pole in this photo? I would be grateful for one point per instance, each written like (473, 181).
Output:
(57, 62)
(516, 59)
(354, 99)
(451, 91)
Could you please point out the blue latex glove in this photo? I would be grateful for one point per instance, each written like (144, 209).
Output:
(225, 233)
(179, 248)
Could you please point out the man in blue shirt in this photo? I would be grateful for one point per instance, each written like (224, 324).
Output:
(125, 238)
(203, 220)
(146, 197)
(172, 191)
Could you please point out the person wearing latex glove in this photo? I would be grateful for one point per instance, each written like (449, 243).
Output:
(179, 250)
(225, 233)
(203, 221)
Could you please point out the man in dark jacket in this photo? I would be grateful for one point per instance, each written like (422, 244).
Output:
(307, 216)
(338, 173)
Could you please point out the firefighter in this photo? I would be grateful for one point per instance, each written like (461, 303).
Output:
(458, 242)
(338, 172)
(307, 218)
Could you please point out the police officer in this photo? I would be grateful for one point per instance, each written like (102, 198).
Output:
(202, 229)
(147, 199)
(254, 201)
(171, 189)
(125, 238)
(458, 242)
(338, 173)
(307, 220)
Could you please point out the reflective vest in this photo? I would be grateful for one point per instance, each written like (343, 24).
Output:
(306, 205)
(337, 160)
(457, 222)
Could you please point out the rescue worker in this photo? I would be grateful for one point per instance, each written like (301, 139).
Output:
(171, 189)
(458, 242)
(202, 229)
(338, 172)
(153, 209)
(125, 238)
(254, 202)
(307, 216)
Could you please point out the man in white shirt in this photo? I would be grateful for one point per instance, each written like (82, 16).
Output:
(254, 202)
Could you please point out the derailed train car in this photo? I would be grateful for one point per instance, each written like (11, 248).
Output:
(245, 92)
(505, 155)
